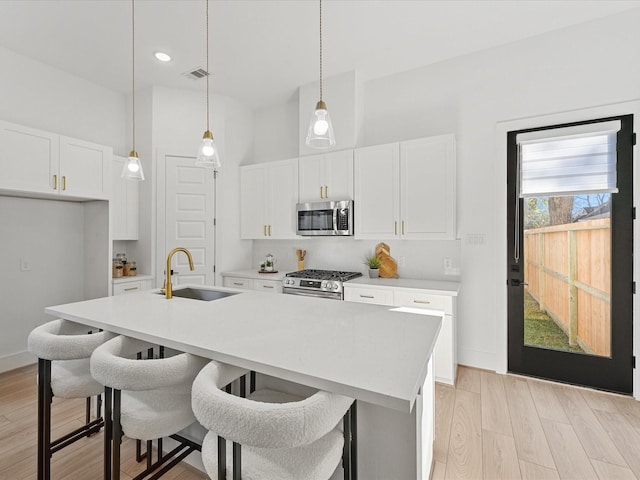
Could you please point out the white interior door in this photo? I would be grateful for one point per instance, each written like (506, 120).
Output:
(189, 220)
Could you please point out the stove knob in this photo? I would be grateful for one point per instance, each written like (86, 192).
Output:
(335, 286)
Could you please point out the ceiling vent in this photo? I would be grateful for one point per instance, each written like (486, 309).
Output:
(196, 73)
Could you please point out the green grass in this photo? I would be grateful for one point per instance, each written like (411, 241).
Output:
(541, 331)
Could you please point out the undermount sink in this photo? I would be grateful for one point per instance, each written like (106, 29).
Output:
(201, 294)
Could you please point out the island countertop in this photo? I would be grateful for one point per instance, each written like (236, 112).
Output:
(373, 353)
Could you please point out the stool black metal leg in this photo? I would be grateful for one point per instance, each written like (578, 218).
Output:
(108, 432)
(117, 435)
(222, 459)
(354, 440)
(237, 461)
(346, 449)
(252, 382)
(45, 397)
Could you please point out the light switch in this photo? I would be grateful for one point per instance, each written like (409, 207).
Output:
(25, 265)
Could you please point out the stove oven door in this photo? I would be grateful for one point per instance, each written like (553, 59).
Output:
(311, 293)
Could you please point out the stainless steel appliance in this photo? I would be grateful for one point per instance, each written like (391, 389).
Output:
(317, 283)
(325, 218)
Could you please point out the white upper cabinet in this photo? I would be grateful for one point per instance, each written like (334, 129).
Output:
(428, 188)
(377, 195)
(28, 159)
(84, 168)
(269, 193)
(34, 161)
(406, 190)
(124, 203)
(326, 176)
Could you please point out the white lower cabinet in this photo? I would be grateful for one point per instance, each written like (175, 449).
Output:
(257, 284)
(444, 355)
(133, 286)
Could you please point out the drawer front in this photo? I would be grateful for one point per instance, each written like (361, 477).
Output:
(238, 282)
(124, 288)
(368, 295)
(441, 303)
(269, 286)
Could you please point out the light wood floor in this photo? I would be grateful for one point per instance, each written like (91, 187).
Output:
(489, 427)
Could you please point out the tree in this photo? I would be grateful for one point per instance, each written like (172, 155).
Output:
(536, 212)
(560, 209)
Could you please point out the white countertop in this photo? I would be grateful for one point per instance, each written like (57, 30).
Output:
(368, 352)
(257, 275)
(131, 278)
(439, 287)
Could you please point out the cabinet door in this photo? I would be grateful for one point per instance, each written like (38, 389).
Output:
(268, 286)
(253, 222)
(338, 175)
(377, 198)
(368, 295)
(238, 282)
(84, 169)
(428, 189)
(311, 181)
(123, 204)
(282, 196)
(28, 159)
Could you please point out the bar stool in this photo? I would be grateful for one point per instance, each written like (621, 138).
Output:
(63, 349)
(284, 437)
(151, 400)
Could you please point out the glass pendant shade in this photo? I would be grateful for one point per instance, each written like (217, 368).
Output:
(132, 169)
(208, 152)
(320, 134)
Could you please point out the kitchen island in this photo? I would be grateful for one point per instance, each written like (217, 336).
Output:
(377, 355)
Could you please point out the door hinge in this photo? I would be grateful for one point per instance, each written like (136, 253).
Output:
(633, 213)
(633, 362)
(633, 139)
(633, 287)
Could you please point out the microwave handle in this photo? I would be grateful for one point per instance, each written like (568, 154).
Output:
(335, 219)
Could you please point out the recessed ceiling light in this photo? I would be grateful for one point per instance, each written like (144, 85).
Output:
(163, 57)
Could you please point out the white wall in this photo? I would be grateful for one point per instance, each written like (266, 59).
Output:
(277, 135)
(49, 235)
(586, 65)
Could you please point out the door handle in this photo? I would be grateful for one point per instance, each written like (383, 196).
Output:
(269, 230)
(55, 182)
(264, 227)
(321, 191)
(64, 182)
(518, 283)
(326, 192)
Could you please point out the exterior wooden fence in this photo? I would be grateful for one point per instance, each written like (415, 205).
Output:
(568, 269)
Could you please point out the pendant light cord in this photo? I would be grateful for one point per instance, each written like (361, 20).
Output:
(320, 50)
(208, 65)
(133, 71)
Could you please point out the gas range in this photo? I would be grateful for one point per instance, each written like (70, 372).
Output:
(317, 283)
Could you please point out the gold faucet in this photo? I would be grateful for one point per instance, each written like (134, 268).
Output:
(168, 289)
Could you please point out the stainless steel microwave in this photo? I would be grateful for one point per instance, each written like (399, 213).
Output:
(325, 218)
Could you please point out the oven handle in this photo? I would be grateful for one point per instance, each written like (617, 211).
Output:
(307, 293)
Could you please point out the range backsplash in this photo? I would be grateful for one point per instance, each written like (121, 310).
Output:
(416, 259)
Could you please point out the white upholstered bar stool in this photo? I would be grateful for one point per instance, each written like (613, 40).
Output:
(283, 437)
(63, 349)
(151, 400)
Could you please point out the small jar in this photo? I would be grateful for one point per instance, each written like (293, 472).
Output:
(118, 269)
(130, 269)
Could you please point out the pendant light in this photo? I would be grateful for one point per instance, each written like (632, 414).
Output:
(208, 151)
(320, 134)
(132, 169)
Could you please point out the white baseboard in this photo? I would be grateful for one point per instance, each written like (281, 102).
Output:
(16, 360)
(477, 359)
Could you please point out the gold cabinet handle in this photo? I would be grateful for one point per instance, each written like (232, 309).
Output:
(395, 228)
(424, 302)
(403, 227)
(264, 227)
(326, 192)
(267, 286)
(130, 288)
(64, 182)
(269, 230)
(55, 182)
(321, 191)
(238, 283)
(366, 296)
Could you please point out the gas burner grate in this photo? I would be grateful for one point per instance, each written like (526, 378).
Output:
(324, 275)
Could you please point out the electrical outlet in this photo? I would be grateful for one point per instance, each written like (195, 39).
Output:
(25, 265)
(447, 263)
